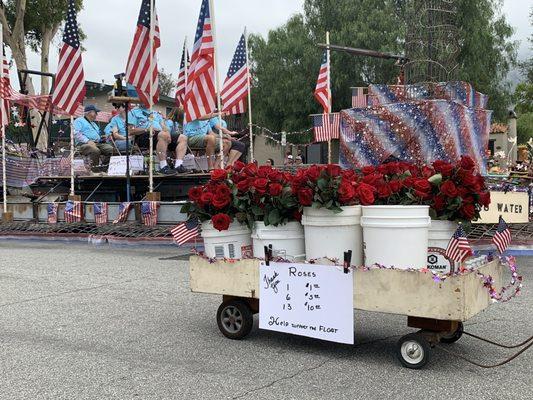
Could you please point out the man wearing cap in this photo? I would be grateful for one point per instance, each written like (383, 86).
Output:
(88, 138)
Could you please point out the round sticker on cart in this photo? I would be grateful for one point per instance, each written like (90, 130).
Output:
(438, 262)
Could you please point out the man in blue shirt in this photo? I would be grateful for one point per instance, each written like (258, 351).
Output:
(88, 138)
(115, 130)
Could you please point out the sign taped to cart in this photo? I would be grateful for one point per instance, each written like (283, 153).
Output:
(307, 300)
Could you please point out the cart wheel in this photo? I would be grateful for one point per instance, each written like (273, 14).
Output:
(455, 336)
(413, 351)
(235, 319)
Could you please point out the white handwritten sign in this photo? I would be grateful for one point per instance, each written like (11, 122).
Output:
(117, 165)
(308, 300)
(512, 206)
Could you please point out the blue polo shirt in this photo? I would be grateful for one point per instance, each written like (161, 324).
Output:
(141, 118)
(214, 121)
(85, 131)
(197, 128)
(116, 122)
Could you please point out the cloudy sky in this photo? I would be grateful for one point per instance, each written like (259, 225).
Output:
(110, 24)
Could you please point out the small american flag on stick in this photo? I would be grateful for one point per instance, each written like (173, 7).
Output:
(322, 90)
(235, 90)
(185, 231)
(123, 211)
(502, 237)
(69, 88)
(101, 212)
(326, 126)
(5, 85)
(52, 213)
(73, 211)
(182, 77)
(458, 248)
(149, 212)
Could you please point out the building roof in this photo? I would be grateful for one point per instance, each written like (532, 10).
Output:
(499, 128)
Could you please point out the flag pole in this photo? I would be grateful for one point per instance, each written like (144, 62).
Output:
(151, 101)
(72, 155)
(217, 84)
(328, 52)
(3, 127)
(186, 58)
(250, 125)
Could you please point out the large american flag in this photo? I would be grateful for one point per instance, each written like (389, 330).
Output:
(73, 211)
(236, 86)
(458, 248)
(200, 96)
(326, 126)
(358, 98)
(149, 212)
(5, 85)
(502, 237)
(69, 89)
(182, 77)
(101, 212)
(123, 212)
(185, 231)
(51, 209)
(138, 71)
(322, 90)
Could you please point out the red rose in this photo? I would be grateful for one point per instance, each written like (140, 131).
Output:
(442, 167)
(238, 166)
(223, 191)
(484, 199)
(372, 179)
(467, 163)
(305, 197)
(408, 182)
(384, 191)
(218, 175)
(275, 189)
(423, 195)
(346, 192)
(448, 188)
(206, 198)
(439, 202)
(221, 221)
(333, 170)
(250, 170)
(220, 202)
(263, 171)
(427, 172)
(260, 185)
(195, 193)
(313, 173)
(393, 168)
(467, 178)
(366, 194)
(368, 170)
(243, 186)
(382, 169)
(468, 211)
(462, 191)
(275, 176)
(297, 215)
(422, 185)
(395, 186)
(349, 174)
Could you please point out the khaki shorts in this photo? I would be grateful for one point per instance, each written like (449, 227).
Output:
(198, 142)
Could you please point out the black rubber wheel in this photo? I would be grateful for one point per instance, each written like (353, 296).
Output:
(235, 319)
(413, 351)
(453, 337)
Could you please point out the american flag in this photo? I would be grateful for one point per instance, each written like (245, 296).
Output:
(101, 212)
(200, 96)
(138, 69)
(52, 213)
(185, 231)
(458, 248)
(326, 126)
(182, 77)
(5, 84)
(69, 88)
(123, 211)
(502, 237)
(358, 98)
(73, 211)
(322, 90)
(236, 86)
(149, 212)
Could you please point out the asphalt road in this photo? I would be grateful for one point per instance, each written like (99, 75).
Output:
(84, 322)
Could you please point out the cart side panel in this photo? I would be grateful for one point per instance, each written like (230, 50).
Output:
(239, 278)
(477, 297)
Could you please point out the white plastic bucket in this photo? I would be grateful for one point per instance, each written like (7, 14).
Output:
(440, 233)
(287, 240)
(329, 234)
(234, 243)
(396, 236)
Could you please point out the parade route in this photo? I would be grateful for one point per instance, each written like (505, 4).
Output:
(88, 322)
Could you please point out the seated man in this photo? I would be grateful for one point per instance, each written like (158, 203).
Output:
(139, 120)
(172, 135)
(115, 130)
(88, 138)
(233, 149)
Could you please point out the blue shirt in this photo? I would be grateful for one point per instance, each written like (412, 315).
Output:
(116, 122)
(197, 128)
(141, 118)
(85, 131)
(214, 121)
(173, 127)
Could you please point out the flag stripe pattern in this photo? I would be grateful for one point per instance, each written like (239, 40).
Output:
(458, 248)
(322, 94)
(69, 88)
(138, 71)
(200, 96)
(185, 231)
(182, 77)
(5, 84)
(326, 126)
(358, 98)
(73, 211)
(52, 213)
(123, 212)
(149, 212)
(101, 212)
(235, 90)
(502, 237)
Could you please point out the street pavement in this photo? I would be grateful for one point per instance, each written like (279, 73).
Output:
(98, 322)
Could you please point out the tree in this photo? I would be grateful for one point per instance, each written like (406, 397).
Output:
(167, 84)
(524, 127)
